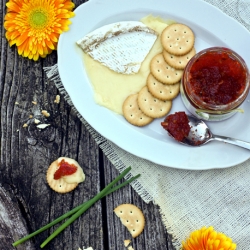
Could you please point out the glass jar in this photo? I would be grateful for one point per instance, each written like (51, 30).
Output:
(215, 83)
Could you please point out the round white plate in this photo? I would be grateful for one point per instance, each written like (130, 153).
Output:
(211, 28)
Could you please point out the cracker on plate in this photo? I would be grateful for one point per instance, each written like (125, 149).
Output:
(178, 62)
(163, 72)
(151, 106)
(177, 39)
(162, 91)
(133, 114)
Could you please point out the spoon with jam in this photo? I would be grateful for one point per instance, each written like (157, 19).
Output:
(192, 131)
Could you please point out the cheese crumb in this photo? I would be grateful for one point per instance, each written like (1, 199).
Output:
(45, 113)
(130, 248)
(57, 100)
(89, 248)
(36, 121)
(25, 125)
(35, 103)
(16, 103)
(30, 116)
(42, 126)
(126, 242)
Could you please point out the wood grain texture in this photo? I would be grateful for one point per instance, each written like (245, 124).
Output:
(26, 201)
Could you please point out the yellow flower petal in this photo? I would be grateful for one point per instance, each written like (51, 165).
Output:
(21, 48)
(14, 34)
(54, 37)
(21, 38)
(10, 16)
(40, 49)
(30, 56)
(64, 15)
(69, 6)
(49, 44)
(36, 56)
(13, 6)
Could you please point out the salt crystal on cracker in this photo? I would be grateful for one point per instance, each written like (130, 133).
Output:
(121, 46)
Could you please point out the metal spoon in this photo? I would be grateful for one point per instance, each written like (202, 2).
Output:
(200, 134)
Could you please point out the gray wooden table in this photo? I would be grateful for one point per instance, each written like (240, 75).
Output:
(26, 201)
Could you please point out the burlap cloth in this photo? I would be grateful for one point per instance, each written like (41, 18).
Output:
(187, 199)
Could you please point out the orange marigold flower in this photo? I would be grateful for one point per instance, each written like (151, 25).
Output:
(35, 25)
(208, 239)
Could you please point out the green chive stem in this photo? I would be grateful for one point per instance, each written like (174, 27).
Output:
(122, 184)
(64, 216)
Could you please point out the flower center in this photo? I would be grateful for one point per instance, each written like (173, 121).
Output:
(38, 18)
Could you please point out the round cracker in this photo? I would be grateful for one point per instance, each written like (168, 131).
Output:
(164, 72)
(131, 217)
(178, 62)
(162, 91)
(132, 112)
(151, 106)
(60, 185)
(177, 39)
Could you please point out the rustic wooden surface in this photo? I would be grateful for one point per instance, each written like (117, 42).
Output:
(26, 201)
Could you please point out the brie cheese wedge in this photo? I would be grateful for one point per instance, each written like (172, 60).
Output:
(121, 46)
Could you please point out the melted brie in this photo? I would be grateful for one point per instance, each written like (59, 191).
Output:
(76, 177)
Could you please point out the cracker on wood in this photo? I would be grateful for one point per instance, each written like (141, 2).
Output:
(164, 72)
(177, 39)
(60, 185)
(132, 112)
(151, 106)
(131, 217)
(178, 62)
(162, 91)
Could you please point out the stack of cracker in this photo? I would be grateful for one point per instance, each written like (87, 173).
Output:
(163, 83)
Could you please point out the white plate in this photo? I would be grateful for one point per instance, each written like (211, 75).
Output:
(211, 27)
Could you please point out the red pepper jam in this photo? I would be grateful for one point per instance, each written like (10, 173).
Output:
(217, 78)
(177, 125)
(64, 169)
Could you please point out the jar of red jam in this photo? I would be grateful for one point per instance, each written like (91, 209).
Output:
(215, 83)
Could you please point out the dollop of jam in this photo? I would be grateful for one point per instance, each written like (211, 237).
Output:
(177, 125)
(64, 169)
(217, 78)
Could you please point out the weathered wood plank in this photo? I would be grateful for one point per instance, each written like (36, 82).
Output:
(27, 152)
(12, 222)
